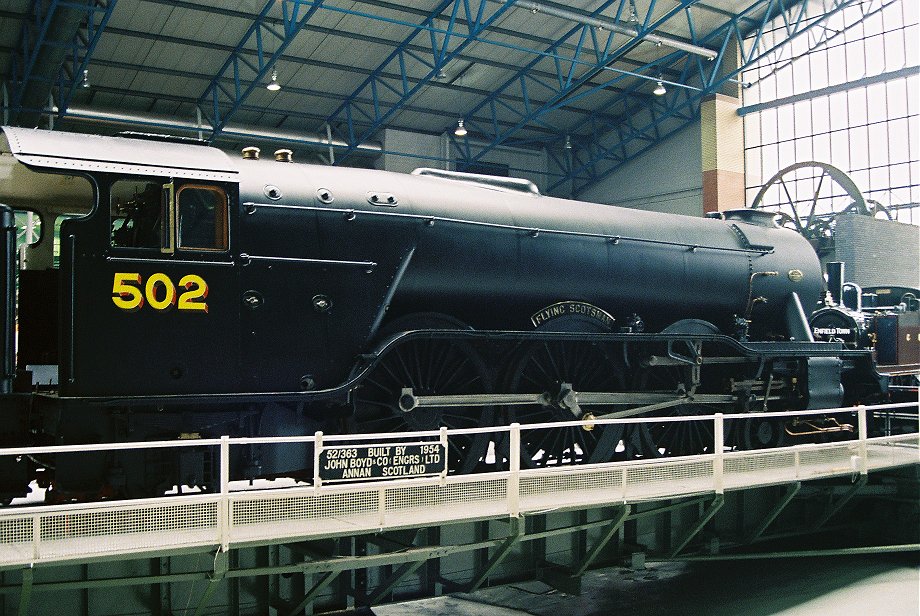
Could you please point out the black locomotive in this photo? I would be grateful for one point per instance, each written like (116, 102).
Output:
(198, 295)
(885, 319)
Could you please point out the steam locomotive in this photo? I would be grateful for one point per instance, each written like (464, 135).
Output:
(885, 319)
(857, 317)
(196, 295)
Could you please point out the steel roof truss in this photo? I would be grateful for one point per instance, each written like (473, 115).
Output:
(40, 33)
(413, 51)
(152, 97)
(478, 16)
(691, 24)
(70, 75)
(601, 48)
(680, 106)
(32, 37)
(565, 71)
(223, 104)
(524, 74)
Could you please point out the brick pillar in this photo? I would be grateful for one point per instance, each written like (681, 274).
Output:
(722, 132)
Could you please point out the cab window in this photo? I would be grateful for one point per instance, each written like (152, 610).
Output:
(136, 213)
(201, 217)
(167, 215)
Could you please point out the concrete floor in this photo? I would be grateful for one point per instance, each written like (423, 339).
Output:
(885, 585)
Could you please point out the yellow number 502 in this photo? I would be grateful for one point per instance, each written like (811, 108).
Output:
(159, 293)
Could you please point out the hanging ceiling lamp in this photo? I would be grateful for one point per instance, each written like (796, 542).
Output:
(273, 85)
(659, 90)
(460, 131)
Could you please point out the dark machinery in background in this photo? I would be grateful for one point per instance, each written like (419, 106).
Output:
(808, 197)
(885, 320)
(198, 296)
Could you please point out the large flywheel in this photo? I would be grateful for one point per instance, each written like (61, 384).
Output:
(808, 196)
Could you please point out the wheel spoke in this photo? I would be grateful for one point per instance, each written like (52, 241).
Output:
(451, 384)
(541, 368)
(371, 381)
(814, 201)
(388, 366)
(418, 372)
(428, 367)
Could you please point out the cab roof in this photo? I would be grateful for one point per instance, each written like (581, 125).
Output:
(75, 152)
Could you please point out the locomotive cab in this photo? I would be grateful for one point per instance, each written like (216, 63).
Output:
(39, 205)
(134, 238)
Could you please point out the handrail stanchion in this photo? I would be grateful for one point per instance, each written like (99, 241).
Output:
(36, 535)
(317, 446)
(718, 464)
(514, 466)
(225, 492)
(442, 477)
(863, 434)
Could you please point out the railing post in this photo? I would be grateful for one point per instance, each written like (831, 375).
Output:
(317, 446)
(36, 535)
(224, 492)
(514, 466)
(718, 463)
(863, 435)
(442, 478)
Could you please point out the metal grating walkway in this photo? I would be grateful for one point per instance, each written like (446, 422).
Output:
(81, 532)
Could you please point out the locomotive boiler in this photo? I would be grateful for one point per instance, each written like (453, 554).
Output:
(197, 294)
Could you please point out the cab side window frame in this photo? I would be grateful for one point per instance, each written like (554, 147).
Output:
(169, 215)
(200, 217)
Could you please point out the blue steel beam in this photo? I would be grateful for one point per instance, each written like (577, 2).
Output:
(453, 29)
(389, 95)
(620, 142)
(468, 92)
(51, 30)
(153, 96)
(461, 29)
(529, 37)
(221, 101)
(32, 39)
(605, 49)
(70, 75)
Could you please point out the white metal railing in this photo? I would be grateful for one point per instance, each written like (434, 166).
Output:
(234, 515)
